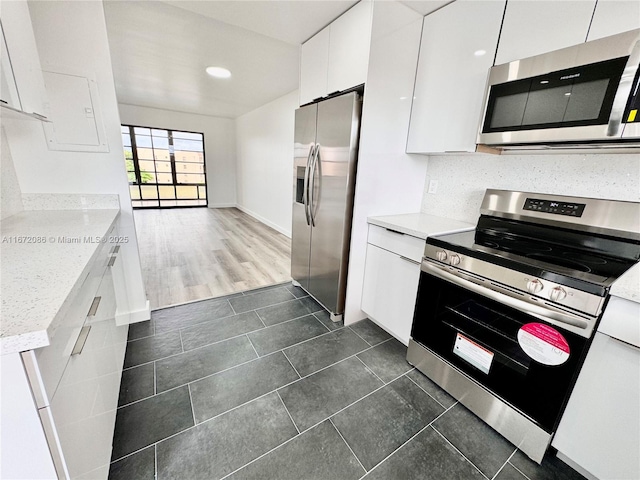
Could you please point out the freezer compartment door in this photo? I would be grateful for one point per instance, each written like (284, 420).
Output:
(304, 148)
(331, 188)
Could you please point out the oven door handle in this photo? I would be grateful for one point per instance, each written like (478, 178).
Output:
(535, 310)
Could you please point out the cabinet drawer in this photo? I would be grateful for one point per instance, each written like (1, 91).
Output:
(52, 359)
(396, 242)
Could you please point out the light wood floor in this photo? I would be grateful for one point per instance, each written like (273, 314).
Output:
(195, 253)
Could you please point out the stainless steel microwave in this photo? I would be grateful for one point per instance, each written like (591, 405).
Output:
(581, 96)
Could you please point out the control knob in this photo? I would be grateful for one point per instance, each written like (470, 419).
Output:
(534, 286)
(557, 294)
(454, 260)
(441, 255)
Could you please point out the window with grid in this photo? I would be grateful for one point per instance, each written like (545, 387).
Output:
(166, 168)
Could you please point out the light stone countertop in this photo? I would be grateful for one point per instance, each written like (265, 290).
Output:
(37, 277)
(420, 225)
(628, 285)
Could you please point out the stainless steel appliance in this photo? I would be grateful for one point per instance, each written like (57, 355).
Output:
(325, 151)
(505, 314)
(585, 95)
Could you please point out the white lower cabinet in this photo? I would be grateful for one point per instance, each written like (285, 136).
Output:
(75, 382)
(392, 272)
(600, 429)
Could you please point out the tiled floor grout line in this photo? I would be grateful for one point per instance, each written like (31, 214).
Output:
(181, 342)
(519, 471)
(408, 440)
(347, 444)
(155, 461)
(351, 404)
(416, 383)
(504, 464)
(252, 346)
(233, 309)
(193, 410)
(155, 333)
(458, 450)
(155, 380)
(371, 371)
(288, 412)
(349, 327)
(292, 366)
(253, 360)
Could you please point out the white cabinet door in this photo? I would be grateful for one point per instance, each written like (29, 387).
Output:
(457, 49)
(349, 48)
(614, 16)
(389, 291)
(314, 61)
(600, 428)
(532, 27)
(85, 403)
(8, 90)
(21, 44)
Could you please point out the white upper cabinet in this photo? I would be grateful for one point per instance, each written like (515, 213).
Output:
(337, 57)
(349, 48)
(458, 46)
(533, 27)
(314, 62)
(22, 53)
(614, 16)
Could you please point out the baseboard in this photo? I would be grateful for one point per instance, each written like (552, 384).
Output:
(286, 233)
(125, 318)
(222, 205)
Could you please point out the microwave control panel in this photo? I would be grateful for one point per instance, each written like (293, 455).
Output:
(556, 208)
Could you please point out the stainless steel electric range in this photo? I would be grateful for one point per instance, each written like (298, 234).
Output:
(505, 313)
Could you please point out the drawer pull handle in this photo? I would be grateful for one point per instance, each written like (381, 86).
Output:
(82, 339)
(409, 260)
(94, 306)
(393, 231)
(112, 260)
(115, 249)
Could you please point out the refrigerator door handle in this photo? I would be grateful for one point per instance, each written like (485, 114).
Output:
(312, 185)
(305, 194)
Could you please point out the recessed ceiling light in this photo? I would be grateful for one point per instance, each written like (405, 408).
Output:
(479, 53)
(218, 72)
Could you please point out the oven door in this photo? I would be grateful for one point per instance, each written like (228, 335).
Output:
(528, 363)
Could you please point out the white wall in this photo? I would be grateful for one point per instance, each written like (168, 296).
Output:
(71, 36)
(219, 144)
(388, 180)
(463, 179)
(264, 139)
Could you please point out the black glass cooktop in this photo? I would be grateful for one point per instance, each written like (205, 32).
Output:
(577, 259)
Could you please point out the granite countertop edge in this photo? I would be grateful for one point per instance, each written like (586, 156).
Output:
(27, 327)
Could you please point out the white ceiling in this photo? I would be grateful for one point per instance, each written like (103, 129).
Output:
(160, 49)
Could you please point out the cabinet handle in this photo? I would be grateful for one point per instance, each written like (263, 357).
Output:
(4, 101)
(393, 231)
(115, 249)
(37, 115)
(112, 260)
(94, 306)
(82, 339)
(409, 260)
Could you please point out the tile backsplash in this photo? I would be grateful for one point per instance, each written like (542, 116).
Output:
(462, 179)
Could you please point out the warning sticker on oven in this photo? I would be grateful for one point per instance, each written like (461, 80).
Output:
(544, 344)
(473, 353)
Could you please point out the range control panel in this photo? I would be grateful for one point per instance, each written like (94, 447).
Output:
(556, 208)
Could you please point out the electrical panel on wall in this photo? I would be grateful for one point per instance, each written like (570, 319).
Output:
(74, 110)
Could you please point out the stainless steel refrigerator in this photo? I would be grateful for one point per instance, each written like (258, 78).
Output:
(326, 152)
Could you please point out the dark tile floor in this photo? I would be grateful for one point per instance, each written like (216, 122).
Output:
(263, 385)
